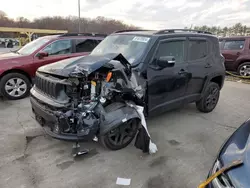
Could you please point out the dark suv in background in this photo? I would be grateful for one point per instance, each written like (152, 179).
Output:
(79, 98)
(236, 51)
(17, 68)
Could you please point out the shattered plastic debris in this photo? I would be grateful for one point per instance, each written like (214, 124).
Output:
(95, 139)
(124, 120)
(152, 147)
(123, 181)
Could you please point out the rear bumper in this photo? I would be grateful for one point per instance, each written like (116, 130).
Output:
(49, 119)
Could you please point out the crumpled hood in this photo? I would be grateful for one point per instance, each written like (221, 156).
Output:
(238, 148)
(86, 64)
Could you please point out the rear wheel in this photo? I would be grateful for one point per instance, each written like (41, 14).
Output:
(210, 98)
(121, 136)
(244, 69)
(14, 86)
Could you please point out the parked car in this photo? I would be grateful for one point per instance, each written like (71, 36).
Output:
(17, 69)
(79, 98)
(236, 148)
(236, 51)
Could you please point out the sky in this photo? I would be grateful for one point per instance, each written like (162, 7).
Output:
(149, 14)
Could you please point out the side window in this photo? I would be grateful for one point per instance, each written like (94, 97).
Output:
(85, 45)
(234, 45)
(172, 48)
(198, 49)
(59, 47)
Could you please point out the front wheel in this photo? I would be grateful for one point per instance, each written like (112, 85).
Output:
(121, 136)
(210, 98)
(14, 86)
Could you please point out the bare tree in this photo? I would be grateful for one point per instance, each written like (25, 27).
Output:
(70, 23)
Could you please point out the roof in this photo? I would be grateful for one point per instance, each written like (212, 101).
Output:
(163, 32)
(235, 37)
(76, 35)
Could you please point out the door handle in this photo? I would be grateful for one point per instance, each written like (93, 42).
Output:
(182, 71)
(208, 65)
(238, 53)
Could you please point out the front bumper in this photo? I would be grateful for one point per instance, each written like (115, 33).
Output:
(48, 119)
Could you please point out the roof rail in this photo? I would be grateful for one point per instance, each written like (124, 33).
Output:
(83, 34)
(130, 30)
(164, 31)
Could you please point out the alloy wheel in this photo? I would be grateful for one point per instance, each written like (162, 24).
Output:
(15, 87)
(212, 98)
(123, 134)
(245, 70)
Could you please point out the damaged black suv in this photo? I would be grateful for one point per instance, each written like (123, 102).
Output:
(96, 96)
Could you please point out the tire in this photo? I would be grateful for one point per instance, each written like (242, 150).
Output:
(15, 86)
(244, 69)
(124, 134)
(210, 98)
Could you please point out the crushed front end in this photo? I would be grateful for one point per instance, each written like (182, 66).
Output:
(57, 107)
(89, 97)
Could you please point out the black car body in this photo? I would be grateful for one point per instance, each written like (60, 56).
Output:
(235, 148)
(83, 97)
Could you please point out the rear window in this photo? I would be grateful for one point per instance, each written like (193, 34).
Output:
(234, 45)
(198, 49)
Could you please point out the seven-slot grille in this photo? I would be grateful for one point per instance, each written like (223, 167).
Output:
(47, 86)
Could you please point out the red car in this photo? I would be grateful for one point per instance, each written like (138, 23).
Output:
(236, 51)
(18, 68)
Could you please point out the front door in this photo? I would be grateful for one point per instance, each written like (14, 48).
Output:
(166, 87)
(58, 50)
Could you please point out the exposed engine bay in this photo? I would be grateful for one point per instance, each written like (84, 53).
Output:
(100, 99)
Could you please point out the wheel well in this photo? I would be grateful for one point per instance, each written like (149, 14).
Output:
(17, 71)
(218, 80)
(241, 62)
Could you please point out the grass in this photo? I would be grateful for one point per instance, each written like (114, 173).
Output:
(235, 79)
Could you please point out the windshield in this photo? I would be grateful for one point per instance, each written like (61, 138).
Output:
(32, 46)
(130, 46)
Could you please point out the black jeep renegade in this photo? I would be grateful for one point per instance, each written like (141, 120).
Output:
(80, 98)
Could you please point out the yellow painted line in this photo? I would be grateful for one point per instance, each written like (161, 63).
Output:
(237, 75)
(211, 178)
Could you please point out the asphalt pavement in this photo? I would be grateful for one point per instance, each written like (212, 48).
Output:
(188, 142)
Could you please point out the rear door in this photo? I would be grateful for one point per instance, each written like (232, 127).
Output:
(199, 65)
(57, 50)
(231, 50)
(166, 87)
(84, 46)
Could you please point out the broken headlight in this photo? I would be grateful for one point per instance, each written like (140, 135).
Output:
(74, 81)
(69, 90)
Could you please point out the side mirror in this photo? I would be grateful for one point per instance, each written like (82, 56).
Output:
(41, 55)
(166, 61)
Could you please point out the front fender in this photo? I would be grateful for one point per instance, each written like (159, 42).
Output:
(114, 119)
